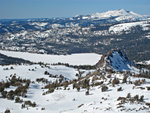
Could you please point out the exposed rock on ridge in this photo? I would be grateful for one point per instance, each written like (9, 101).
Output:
(116, 59)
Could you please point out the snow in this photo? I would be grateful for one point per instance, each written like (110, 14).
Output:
(54, 102)
(118, 62)
(22, 33)
(11, 88)
(27, 72)
(41, 24)
(84, 17)
(148, 62)
(126, 27)
(120, 15)
(68, 101)
(145, 62)
(56, 25)
(73, 59)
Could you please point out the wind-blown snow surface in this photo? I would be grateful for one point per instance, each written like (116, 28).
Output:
(74, 59)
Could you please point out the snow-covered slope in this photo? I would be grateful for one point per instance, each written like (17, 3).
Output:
(128, 27)
(33, 72)
(75, 90)
(70, 100)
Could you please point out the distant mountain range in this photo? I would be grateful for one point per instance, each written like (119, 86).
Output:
(115, 16)
(97, 33)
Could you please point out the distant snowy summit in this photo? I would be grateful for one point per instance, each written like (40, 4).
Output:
(117, 60)
(115, 15)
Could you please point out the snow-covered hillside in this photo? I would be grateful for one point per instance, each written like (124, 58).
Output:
(46, 88)
(127, 27)
(72, 100)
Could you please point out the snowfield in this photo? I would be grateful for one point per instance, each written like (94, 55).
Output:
(70, 98)
(70, 101)
(25, 71)
(74, 59)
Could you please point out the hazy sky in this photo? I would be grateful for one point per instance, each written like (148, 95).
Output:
(67, 8)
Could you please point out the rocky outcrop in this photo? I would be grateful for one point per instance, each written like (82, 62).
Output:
(117, 60)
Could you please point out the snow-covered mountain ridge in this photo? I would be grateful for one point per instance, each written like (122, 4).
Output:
(116, 15)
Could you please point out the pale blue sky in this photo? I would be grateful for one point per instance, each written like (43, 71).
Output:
(11, 9)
